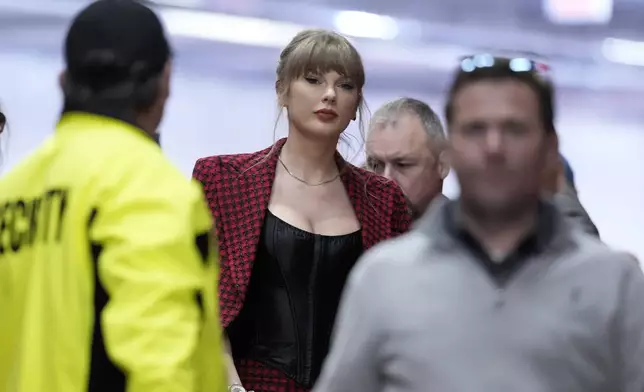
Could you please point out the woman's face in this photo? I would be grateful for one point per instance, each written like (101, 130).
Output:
(322, 104)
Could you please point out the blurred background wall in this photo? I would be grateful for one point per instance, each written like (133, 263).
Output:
(226, 51)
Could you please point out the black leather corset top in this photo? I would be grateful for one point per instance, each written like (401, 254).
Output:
(292, 298)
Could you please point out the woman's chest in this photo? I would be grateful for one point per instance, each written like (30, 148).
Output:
(320, 210)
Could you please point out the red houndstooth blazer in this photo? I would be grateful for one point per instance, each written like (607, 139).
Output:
(238, 189)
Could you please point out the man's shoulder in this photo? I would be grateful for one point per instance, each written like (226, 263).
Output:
(143, 172)
(107, 173)
(29, 174)
(406, 249)
(390, 263)
(588, 245)
(590, 253)
(36, 159)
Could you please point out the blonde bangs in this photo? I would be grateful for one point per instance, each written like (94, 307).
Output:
(320, 51)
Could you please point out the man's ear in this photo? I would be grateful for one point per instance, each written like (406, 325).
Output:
(165, 80)
(552, 147)
(553, 167)
(443, 164)
(62, 76)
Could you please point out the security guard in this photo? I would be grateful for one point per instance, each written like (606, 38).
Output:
(107, 276)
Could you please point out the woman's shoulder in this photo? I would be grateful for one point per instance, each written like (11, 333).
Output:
(229, 163)
(384, 196)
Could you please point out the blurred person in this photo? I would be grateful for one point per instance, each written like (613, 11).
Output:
(559, 184)
(406, 144)
(568, 174)
(513, 298)
(292, 220)
(107, 277)
(3, 124)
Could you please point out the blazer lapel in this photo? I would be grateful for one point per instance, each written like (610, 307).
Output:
(371, 220)
(252, 193)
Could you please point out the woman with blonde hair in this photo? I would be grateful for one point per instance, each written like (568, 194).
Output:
(292, 220)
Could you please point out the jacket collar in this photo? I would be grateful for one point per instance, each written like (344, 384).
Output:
(444, 225)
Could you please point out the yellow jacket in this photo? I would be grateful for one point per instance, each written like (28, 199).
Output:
(108, 279)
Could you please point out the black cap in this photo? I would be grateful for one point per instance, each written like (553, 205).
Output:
(112, 41)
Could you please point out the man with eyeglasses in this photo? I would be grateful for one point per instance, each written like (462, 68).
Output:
(497, 291)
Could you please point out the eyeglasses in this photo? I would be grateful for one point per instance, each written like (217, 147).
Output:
(519, 64)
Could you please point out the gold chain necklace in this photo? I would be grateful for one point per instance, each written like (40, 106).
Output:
(304, 181)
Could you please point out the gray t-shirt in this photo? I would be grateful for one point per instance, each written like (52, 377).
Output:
(420, 314)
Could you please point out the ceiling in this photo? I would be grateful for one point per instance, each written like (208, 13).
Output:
(468, 24)
(520, 14)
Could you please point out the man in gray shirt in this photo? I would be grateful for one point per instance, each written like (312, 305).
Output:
(495, 292)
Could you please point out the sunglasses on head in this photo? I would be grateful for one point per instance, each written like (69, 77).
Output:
(518, 64)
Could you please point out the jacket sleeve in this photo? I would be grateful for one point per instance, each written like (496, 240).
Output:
(629, 330)
(150, 276)
(207, 171)
(401, 216)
